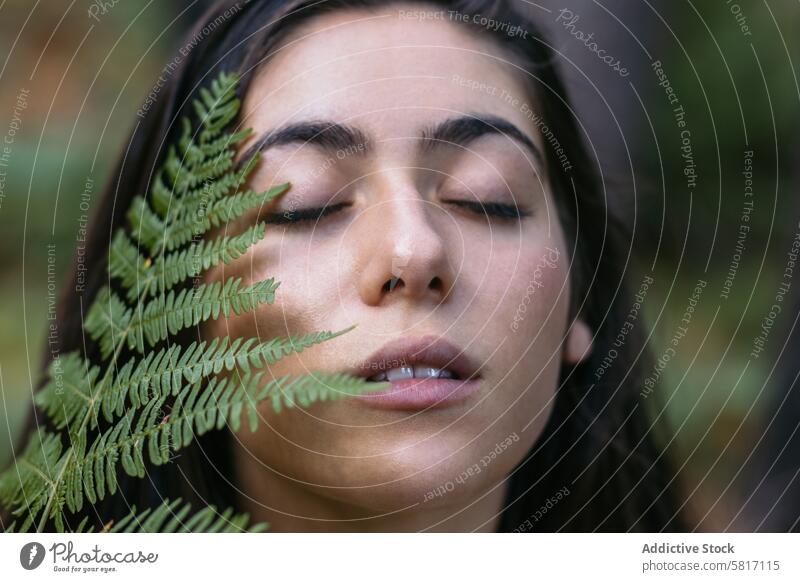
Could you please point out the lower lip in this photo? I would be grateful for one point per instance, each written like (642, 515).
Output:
(421, 393)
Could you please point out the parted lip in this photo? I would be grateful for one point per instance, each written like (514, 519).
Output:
(429, 350)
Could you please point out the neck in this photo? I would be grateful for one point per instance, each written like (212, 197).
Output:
(289, 506)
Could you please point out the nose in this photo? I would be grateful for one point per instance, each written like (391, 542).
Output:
(406, 256)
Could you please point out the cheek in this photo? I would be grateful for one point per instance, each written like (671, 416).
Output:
(538, 295)
(308, 274)
(520, 292)
(531, 323)
(308, 287)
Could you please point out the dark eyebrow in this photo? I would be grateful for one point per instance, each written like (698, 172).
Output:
(335, 137)
(327, 135)
(465, 129)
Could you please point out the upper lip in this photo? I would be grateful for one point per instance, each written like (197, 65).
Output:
(431, 351)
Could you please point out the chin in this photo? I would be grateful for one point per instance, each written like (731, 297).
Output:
(417, 473)
(390, 492)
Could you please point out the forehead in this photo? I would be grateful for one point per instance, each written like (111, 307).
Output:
(388, 72)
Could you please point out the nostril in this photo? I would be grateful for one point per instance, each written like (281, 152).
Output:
(394, 282)
(436, 284)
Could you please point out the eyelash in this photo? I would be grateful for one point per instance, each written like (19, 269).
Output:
(497, 210)
(304, 214)
(494, 209)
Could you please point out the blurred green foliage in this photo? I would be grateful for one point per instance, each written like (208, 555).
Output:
(739, 92)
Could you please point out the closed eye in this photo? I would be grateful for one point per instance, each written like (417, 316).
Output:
(498, 210)
(493, 209)
(304, 214)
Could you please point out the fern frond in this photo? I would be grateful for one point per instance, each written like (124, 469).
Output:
(153, 434)
(196, 411)
(171, 204)
(157, 402)
(218, 106)
(194, 153)
(319, 387)
(82, 526)
(132, 269)
(149, 229)
(72, 392)
(201, 175)
(172, 517)
(179, 266)
(27, 484)
(169, 313)
(218, 213)
(140, 275)
(165, 519)
(109, 321)
(146, 226)
(169, 370)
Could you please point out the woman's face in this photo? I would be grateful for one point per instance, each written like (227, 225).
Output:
(407, 254)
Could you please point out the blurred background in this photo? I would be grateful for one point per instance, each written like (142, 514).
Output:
(714, 211)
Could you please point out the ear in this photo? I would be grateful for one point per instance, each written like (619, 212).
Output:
(578, 343)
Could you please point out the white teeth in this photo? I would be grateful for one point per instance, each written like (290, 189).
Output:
(409, 372)
(400, 374)
(428, 372)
